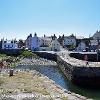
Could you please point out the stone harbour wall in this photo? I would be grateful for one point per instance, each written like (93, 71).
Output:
(46, 55)
(91, 56)
(81, 75)
(66, 68)
(14, 52)
(86, 76)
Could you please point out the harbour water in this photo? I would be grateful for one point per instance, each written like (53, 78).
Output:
(54, 73)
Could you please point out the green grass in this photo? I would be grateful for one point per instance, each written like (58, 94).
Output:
(64, 98)
(28, 54)
(1, 82)
(22, 82)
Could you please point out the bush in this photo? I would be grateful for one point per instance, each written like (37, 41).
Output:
(27, 54)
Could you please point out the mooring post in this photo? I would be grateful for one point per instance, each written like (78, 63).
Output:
(11, 72)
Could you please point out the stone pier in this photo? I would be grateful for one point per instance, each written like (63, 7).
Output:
(74, 69)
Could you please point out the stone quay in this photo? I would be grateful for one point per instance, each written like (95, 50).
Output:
(77, 71)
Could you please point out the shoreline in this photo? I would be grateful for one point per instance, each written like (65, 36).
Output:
(55, 90)
(63, 93)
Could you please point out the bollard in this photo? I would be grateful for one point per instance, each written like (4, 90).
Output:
(11, 72)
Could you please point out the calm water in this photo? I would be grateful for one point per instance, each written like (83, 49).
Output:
(55, 74)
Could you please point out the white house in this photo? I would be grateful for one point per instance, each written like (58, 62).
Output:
(33, 43)
(46, 41)
(42, 44)
(9, 44)
(36, 42)
(70, 40)
(55, 45)
(81, 46)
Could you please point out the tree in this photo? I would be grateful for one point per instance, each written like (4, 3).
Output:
(21, 43)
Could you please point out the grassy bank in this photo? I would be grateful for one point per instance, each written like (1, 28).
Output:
(12, 61)
(30, 82)
(21, 82)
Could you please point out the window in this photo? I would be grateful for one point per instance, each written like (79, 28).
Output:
(5, 46)
(4, 41)
(8, 46)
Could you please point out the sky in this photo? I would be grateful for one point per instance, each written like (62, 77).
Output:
(19, 18)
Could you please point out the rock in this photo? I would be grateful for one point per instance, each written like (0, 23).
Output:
(30, 98)
(7, 98)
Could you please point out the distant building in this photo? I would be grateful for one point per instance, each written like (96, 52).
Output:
(46, 41)
(55, 45)
(69, 40)
(35, 42)
(96, 35)
(9, 44)
(81, 46)
(54, 37)
(28, 42)
(93, 44)
(95, 41)
(61, 40)
(86, 41)
(43, 43)
(49, 44)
